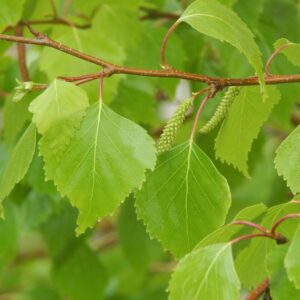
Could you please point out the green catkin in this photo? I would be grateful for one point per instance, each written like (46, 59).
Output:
(221, 110)
(171, 129)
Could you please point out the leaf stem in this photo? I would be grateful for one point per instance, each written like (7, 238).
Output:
(164, 44)
(270, 60)
(250, 224)
(212, 91)
(281, 220)
(101, 89)
(249, 236)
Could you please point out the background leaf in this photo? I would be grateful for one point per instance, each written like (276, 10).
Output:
(287, 160)
(281, 287)
(18, 162)
(215, 20)
(291, 52)
(292, 261)
(242, 125)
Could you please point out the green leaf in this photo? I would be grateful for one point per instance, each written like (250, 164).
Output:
(10, 12)
(60, 101)
(206, 273)
(18, 163)
(15, 116)
(242, 125)
(218, 21)
(134, 240)
(281, 287)
(258, 249)
(91, 41)
(9, 235)
(80, 276)
(292, 260)
(184, 199)
(287, 160)
(227, 232)
(103, 163)
(292, 52)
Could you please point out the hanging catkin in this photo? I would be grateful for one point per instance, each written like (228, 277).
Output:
(221, 110)
(171, 129)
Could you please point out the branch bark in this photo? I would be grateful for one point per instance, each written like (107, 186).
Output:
(111, 68)
(259, 290)
(21, 49)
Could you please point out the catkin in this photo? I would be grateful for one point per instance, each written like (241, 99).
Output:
(171, 129)
(221, 110)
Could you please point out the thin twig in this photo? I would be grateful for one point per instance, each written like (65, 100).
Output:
(43, 40)
(212, 91)
(270, 60)
(250, 224)
(101, 90)
(281, 220)
(250, 236)
(259, 290)
(21, 49)
(164, 44)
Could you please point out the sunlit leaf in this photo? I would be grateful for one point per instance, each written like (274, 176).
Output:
(184, 199)
(103, 163)
(206, 273)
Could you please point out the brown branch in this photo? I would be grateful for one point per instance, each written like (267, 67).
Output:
(21, 49)
(259, 290)
(43, 40)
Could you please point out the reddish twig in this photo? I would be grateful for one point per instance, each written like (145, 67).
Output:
(43, 40)
(259, 290)
(281, 220)
(250, 224)
(270, 60)
(21, 49)
(250, 236)
(164, 44)
(101, 90)
(212, 91)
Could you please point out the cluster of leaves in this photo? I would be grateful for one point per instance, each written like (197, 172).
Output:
(85, 195)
